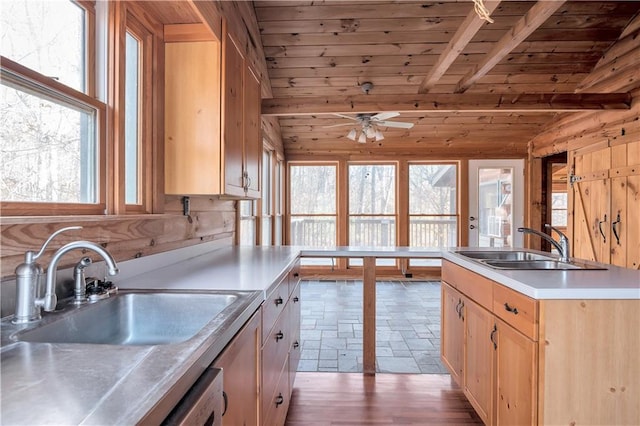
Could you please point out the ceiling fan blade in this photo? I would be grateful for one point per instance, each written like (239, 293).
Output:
(398, 124)
(345, 116)
(384, 116)
(339, 125)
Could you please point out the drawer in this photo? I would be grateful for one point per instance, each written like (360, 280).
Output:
(274, 306)
(517, 310)
(275, 353)
(472, 285)
(275, 406)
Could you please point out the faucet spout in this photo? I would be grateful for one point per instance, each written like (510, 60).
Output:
(50, 300)
(562, 246)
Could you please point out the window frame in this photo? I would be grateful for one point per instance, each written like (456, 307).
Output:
(289, 216)
(127, 21)
(47, 87)
(354, 262)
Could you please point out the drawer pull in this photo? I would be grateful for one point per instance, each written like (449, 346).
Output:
(510, 309)
(296, 344)
(296, 299)
(279, 301)
(279, 335)
(279, 399)
(226, 403)
(492, 336)
(296, 275)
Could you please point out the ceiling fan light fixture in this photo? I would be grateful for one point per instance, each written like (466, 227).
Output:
(362, 138)
(352, 134)
(379, 136)
(370, 131)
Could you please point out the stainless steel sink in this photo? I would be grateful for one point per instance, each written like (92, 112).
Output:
(157, 318)
(538, 264)
(504, 255)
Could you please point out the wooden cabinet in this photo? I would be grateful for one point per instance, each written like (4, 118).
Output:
(241, 361)
(549, 362)
(479, 359)
(605, 219)
(452, 332)
(516, 361)
(280, 347)
(484, 348)
(241, 123)
(213, 144)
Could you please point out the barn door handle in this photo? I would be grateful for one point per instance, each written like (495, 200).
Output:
(600, 222)
(492, 336)
(614, 226)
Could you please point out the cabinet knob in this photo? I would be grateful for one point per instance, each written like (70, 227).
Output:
(296, 299)
(279, 335)
(279, 301)
(296, 345)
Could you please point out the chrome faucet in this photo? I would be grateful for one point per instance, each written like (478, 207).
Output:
(562, 247)
(28, 274)
(50, 299)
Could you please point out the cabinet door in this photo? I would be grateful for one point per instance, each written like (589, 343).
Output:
(192, 118)
(240, 362)
(516, 359)
(233, 117)
(252, 133)
(452, 345)
(479, 359)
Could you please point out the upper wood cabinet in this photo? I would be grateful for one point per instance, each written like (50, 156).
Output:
(241, 123)
(213, 144)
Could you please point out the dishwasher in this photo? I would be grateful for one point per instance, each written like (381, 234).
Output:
(204, 403)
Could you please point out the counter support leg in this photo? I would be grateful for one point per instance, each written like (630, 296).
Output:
(369, 315)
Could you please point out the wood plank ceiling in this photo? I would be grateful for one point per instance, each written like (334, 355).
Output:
(323, 51)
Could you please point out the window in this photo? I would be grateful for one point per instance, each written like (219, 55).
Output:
(372, 207)
(278, 202)
(313, 199)
(433, 220)
(266, 200)
(52, 137)
(247, 223)
(134, 141)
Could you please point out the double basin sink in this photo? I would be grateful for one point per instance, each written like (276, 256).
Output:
(135, 318)
(524, 260)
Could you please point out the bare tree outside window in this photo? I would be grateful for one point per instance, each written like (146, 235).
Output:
(313, 205)
(47, 139)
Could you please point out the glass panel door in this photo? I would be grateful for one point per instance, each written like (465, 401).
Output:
(496, 197)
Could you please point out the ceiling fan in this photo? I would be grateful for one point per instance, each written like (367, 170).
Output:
(367, 125)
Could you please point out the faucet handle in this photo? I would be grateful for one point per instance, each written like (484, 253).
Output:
(29, 257)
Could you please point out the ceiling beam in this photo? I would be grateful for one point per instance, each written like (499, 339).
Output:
(470, 26)
(466, 102)
(536, 16)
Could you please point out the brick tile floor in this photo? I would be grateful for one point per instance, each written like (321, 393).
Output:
(407, 327)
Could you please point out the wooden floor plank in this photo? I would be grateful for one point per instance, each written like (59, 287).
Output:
(346, 399)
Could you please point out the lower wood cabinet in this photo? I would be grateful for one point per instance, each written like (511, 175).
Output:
(241, 361)
(280, 348)
(522, 361)
(261, 361)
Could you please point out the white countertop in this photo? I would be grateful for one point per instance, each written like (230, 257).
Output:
(611, 283)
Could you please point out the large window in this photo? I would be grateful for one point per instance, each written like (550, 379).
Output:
(266, 230)
(372, 207)
(432, 207)
(312, 198)
(52, 135)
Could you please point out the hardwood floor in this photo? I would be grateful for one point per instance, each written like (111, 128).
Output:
(332, 399)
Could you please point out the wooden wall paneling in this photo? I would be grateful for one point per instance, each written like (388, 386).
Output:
(533, 199)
